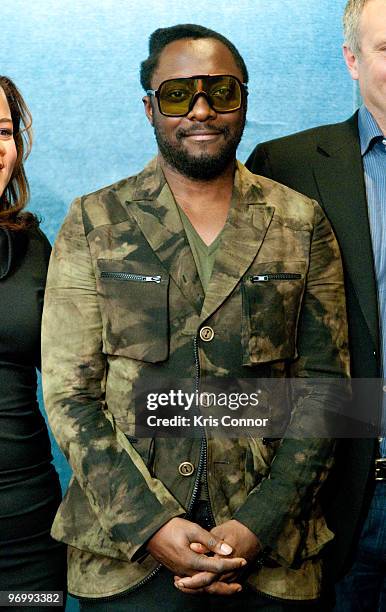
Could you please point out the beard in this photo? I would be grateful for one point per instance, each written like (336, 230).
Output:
(203, 166)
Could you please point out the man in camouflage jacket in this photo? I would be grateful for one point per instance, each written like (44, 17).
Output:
(125, 304)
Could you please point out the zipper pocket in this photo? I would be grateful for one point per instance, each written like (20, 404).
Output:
(125, 276)
(263, 278)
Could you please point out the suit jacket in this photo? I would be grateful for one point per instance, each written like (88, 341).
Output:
(124, 304)
(325, 163)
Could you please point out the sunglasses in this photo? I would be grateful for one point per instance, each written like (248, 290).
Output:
(176, 97)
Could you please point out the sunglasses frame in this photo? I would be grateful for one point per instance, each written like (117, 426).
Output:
(156, 93)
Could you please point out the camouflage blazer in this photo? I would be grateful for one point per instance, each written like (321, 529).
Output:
(102, 333)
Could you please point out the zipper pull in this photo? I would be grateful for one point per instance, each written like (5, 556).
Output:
(259, 279)
(152, 279)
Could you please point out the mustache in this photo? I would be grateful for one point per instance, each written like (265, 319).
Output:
(202, 129)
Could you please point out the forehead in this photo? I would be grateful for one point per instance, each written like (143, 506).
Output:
(373, 20)
(4, 106)
(184, 58)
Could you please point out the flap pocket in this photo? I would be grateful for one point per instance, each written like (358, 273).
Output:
(134, 307)
(272, 297)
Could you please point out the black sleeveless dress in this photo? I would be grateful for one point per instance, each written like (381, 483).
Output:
(29, 487)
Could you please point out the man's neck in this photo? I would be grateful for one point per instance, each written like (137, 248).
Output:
(205, 202)
(379, 117)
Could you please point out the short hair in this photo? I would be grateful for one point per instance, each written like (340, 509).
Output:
(162, 37)
(351, 19)
(16, 193)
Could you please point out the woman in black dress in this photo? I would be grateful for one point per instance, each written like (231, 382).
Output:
(29, 487)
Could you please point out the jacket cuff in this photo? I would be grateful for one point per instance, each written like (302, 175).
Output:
(265, 519)
(136, 550)
(272, 509)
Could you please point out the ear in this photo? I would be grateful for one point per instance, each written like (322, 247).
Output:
(351, 62)
(148, 108)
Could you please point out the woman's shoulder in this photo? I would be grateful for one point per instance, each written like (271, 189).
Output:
(26, 244)
(39, 241)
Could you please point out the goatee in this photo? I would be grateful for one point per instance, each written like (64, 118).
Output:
(203, 166)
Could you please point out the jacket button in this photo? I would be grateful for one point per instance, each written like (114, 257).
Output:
(186, 468)
(206, 334)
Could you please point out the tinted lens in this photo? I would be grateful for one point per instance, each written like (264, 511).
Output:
(223, 92)
(175, 96)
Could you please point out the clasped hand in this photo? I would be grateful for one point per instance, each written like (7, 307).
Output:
(183, 547)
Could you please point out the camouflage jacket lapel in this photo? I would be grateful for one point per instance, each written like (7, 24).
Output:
(153, 207)
(247, 223)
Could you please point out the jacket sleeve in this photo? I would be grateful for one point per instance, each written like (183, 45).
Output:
(320, 385)
(130, 505)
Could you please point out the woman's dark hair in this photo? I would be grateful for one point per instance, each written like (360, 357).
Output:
(164, 36)
(16, 193)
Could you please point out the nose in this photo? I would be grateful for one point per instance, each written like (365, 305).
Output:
(201, 109)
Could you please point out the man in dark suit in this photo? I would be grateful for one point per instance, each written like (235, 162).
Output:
(343, 166)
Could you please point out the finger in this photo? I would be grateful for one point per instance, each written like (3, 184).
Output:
(217, 588)
(213, 544)
(217, 565)
(198, 548)
(208, 569)
(200, 580)
(224, 588)
(189, 591)
(229, 577)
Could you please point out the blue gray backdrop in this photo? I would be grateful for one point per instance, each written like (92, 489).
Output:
(77, 66)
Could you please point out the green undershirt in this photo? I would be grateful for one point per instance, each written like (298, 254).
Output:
(203, 255)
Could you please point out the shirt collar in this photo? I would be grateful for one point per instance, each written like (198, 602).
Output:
(368, 129)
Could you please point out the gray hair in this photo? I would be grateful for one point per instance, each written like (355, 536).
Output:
(351, 18)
